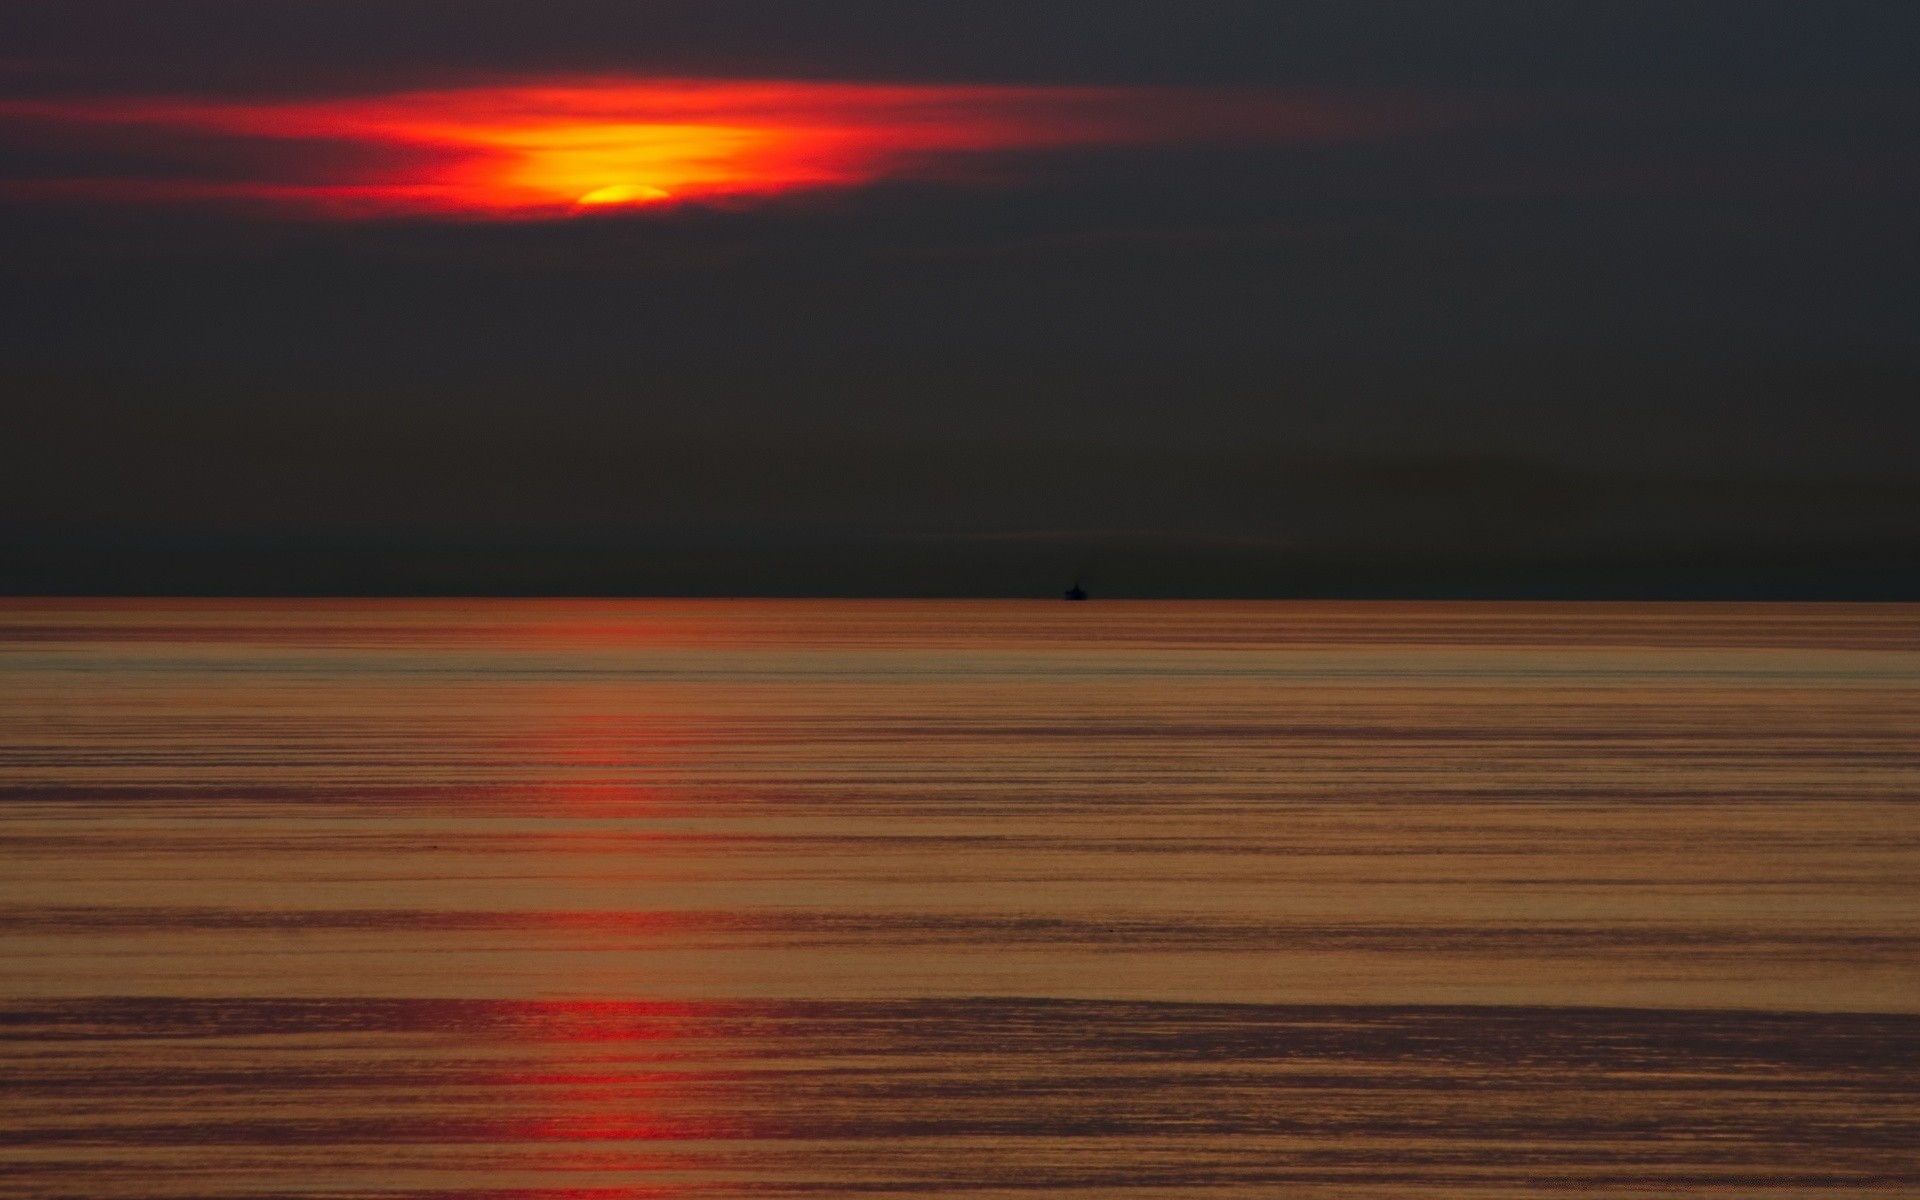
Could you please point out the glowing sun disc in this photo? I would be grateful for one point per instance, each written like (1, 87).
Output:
(623, 193)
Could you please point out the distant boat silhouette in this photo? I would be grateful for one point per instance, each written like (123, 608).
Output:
(1076, 592)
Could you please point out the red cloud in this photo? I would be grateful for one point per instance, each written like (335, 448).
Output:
(557, 147)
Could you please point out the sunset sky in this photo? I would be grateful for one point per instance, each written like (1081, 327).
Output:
(848, 296)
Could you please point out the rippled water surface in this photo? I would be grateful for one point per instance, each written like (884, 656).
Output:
(737, 898)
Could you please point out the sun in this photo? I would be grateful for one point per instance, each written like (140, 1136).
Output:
(623, 194)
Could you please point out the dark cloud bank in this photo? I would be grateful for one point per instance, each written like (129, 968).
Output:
(1635, 319)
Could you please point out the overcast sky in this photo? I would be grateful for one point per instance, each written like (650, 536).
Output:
(1298, 298)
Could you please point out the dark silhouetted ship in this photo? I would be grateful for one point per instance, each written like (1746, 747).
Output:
(1076, 592)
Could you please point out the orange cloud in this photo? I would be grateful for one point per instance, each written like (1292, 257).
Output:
(555, 148)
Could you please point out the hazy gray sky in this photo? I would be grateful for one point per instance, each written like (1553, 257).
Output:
(1555, 298)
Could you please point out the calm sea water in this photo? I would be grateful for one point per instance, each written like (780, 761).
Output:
(711, 898)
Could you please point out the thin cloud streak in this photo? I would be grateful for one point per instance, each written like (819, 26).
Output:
(1175, 536)
(546, 148)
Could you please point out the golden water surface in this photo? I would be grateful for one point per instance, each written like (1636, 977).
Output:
(744, 898)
